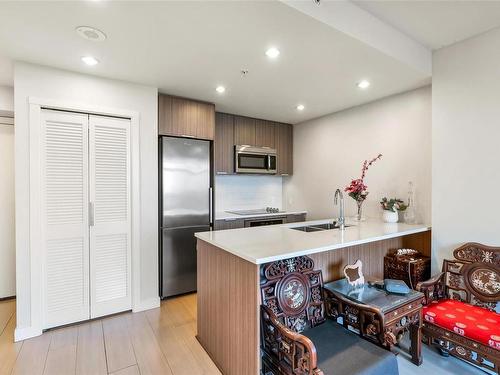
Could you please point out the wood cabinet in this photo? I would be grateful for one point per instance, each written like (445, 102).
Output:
(244, 131)
(165, 126)
(229, 224)
(284, 148)
(254, 132)
(231, 130)
(185, 117)
(240, 223)
(265, 133)
(224, 143)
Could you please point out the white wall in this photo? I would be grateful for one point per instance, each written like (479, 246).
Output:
(7, 216)
(48, 83)
(235, 192)
(329, 151)
(465, 144)
(6, 98)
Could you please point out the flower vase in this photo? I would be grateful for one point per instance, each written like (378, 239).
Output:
(359, 214)
(390, 216)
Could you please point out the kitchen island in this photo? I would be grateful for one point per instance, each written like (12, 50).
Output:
(229, 265)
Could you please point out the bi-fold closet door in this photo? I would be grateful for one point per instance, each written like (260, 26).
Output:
(85, 216)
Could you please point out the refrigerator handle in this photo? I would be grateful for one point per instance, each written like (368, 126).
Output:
(210, 210)
(91, 214)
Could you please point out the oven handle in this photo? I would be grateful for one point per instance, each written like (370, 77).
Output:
(268, 162)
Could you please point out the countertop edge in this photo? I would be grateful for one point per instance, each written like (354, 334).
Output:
(259, 261)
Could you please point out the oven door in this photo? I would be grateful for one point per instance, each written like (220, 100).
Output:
(276, 220)
(255, 160)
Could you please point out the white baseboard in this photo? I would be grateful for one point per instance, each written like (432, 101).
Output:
(26, 333)
(148, 304)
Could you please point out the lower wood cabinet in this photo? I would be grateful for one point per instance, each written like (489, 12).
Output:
(240, 223)
(229, 224)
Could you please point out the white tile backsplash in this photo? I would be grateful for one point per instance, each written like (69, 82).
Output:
(236, 192)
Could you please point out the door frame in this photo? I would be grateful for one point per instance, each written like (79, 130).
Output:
(35, 220)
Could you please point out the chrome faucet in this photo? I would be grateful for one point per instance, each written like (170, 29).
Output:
(341, 219)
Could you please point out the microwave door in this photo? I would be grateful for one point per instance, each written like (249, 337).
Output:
(252, 163)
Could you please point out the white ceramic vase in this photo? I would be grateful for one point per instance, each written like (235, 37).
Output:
(390, 216)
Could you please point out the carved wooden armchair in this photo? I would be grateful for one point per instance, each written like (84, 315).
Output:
(461, 306)
(296, 337)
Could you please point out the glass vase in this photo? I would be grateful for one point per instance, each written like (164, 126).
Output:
(410, 215)
(359, 214)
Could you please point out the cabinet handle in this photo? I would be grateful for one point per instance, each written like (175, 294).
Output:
(187, 136)
(285, 174)
(220, 172)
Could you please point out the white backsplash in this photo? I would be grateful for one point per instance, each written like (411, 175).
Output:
(236, 192)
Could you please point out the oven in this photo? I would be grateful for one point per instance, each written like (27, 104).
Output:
(274, 220)
(257, 160)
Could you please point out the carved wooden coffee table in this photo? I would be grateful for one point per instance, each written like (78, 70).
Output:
(379, 316)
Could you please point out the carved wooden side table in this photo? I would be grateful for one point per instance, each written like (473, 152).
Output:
(379, 316)
(412, 269)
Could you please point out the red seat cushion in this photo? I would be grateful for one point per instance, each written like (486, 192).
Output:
(474, 322)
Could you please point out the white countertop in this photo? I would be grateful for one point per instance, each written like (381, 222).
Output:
(265, 244)
(230, 216)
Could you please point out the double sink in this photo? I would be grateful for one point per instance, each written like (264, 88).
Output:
(319, 227)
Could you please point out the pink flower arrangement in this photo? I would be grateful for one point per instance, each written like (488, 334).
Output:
(357, 188)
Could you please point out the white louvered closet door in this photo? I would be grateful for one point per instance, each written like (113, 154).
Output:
(110, 223)
(64, 214)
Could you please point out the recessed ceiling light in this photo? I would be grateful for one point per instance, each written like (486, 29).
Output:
(90, 33)
(300, 107)
(272, 52)
(90, 60)
(220, 89)
(364, 84)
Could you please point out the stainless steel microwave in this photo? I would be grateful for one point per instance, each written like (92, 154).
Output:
(258, 160)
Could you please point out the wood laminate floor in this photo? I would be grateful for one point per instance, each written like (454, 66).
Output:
(159, 341)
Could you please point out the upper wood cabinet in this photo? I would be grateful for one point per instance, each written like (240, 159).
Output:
(284, 148)
(165, 126)
(254, 132)
(265, 133)
(231, 130)
(224, 143)
(244, 131)
(185, 117)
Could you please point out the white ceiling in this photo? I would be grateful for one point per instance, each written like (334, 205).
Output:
(188, 48)
(436, 24)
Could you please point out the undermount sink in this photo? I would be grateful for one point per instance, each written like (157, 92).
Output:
(307, 229)
(319, 227)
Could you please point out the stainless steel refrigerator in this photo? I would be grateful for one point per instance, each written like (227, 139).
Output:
(185, 206)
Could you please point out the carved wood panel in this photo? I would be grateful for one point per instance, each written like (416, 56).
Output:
(291, 288)
(474, 277)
